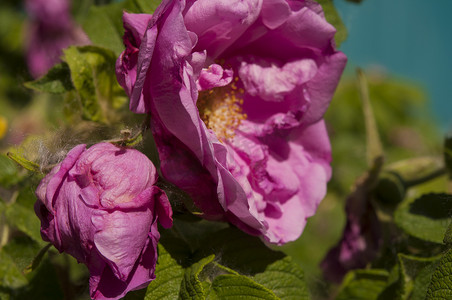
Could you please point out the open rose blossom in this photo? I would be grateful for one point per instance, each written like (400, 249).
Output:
(237, 91)
(51, 29)
(100, 205)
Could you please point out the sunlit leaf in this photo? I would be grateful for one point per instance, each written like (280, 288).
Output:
(56, 81)
(440, 287)
(425, 218)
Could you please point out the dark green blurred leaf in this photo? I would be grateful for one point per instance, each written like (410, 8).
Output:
(147, 6)
(192, 287)
(334, 19)
(9, 173)
(425, 218)
(448, 154)
(43, 284)
(11, 276)
(363, 285)
(22, 216)
(440, 287)
(37, 259)
(22, 251)
(109, 19)
(56, 81)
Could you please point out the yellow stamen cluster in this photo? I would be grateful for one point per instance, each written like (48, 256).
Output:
(221, 109)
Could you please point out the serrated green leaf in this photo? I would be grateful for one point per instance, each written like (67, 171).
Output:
(238, 286)
(191, 286)
(82, 75)
(168, 277)
(440, 287)
(414, 276)
(334, 19)
(425, 218)
(56, 81)
(248, 255)
(363, 285)
(285, 278)
(448, 236)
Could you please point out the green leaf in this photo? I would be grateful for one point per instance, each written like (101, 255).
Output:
(22, 216)
(56, 81)
(373, 143)
(10, 274)
(109, 19)
(22, 251)
(248, 255)
(168, 277)
(231, 286)
(27, 164)
(192, 287)
(334, 19)
(448, 236)
(285, 278)
(414, 274)
(9, 173)
(440, 287)
(82, 75)
(425, 218)
(363, 284)
(147, 6)
(448, 154)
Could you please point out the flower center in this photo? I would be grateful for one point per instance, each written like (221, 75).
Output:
(221, 109)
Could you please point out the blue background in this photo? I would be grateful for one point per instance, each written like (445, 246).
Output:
(409, 38)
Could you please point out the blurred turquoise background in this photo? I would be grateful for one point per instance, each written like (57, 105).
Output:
(407, 38)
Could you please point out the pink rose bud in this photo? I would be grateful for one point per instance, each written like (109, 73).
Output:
(101, 206)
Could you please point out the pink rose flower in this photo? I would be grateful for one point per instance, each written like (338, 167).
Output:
(237, 91)
(51, 29)
(101, 206)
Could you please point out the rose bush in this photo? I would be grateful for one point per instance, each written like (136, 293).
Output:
(51, 29)
(237, 91)
(101, 206)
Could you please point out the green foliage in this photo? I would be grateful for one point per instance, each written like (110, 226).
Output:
(9, 173)
(168, 277)
(363, 284)
(448, 155)
(219, 264)
(441, 284)
(25, 163)
(56, 81)
(426, 218)
(83, 79)
(109, 18)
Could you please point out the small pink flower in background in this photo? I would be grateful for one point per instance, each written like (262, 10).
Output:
(51, 29)
(237, 91)
(101, 206)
